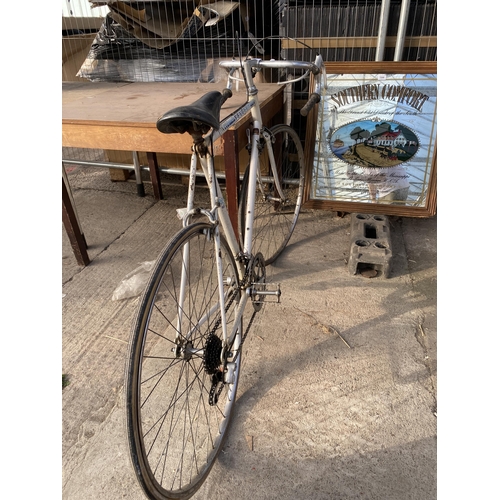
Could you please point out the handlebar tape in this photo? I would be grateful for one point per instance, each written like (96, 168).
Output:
(315, 98)
(226, 94)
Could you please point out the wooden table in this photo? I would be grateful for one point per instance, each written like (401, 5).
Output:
(122, 116)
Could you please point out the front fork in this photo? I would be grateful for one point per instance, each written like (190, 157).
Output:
(273, 177)
(269, 139)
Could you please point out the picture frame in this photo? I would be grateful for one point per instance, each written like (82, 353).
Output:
(371, 141)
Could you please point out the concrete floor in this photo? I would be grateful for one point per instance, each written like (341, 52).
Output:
(347, 415)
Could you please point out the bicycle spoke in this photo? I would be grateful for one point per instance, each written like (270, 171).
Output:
(275, 218)
(181, 430)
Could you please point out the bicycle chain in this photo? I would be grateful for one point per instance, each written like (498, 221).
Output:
(244, 284)
(213, 396)
(218, 376)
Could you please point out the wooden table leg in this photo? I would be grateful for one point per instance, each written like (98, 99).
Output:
(138, 175)
(232, 168)
(154, 171)
(72, 226)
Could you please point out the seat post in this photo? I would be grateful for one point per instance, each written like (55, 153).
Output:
(199, 145)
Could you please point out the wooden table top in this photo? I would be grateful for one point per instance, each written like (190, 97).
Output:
(122, 116)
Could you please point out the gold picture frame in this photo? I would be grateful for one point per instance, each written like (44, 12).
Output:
(371, 141)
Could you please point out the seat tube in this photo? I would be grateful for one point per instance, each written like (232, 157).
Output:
(207, 164)
(192, 180)
(252, 184)
(185, 251)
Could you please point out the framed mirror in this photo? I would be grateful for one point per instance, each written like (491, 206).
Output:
(371, 143)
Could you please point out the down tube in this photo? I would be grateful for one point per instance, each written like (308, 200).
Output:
(252, 184)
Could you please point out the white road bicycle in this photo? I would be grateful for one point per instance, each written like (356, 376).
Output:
(185, 353)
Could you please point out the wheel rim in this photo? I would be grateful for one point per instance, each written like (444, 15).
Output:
(175, 433)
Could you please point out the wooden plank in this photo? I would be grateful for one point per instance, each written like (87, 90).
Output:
(393, 67)
(232, 170)
(124, 137)
(356, 42)
(76, 23)
(123, 116)
(137, 104)
(75, 91)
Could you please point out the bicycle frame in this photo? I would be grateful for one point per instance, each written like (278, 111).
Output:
(218, 213)
(185, 351)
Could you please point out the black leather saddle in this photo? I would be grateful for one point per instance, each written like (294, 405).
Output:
(200, 116)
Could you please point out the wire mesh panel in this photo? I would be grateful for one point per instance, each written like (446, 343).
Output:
(348, 30)
(165, 40)
(183, 40)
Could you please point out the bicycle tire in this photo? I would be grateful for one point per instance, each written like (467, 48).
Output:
(274, 222)
(174, 433)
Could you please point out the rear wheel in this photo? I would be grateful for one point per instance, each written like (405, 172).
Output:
(275, 217)
(179, 394)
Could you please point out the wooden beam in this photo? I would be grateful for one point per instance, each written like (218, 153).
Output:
(355, 42)
(232, 169)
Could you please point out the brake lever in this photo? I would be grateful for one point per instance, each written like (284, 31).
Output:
(296, 79)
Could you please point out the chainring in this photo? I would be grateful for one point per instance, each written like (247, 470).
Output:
(257, 266)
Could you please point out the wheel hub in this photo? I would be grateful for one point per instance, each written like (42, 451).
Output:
(183, 350)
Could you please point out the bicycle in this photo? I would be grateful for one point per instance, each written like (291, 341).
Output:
(185, 352)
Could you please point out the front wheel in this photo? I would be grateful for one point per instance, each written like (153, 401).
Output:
(179, 396)
(275, 215)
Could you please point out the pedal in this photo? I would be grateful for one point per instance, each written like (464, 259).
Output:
(258, 295)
